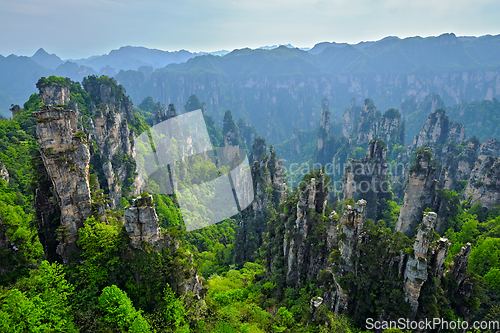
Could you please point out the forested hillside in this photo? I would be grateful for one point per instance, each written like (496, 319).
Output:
(87, 244)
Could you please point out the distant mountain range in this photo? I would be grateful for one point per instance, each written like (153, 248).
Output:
(284, 82)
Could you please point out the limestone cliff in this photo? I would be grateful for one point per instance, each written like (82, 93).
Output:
(4, 174)
(416, 267)
(372, 124)
(349, 118)
(464, 284)
(367, 178)
(66, 158)
(162, 113)
(53, 94)
(113, 138)
(439, 130)
(484, 183)
(324, 125)
(489, 147)
(351, 226)
(457, 164)
(141, 222)
(301, 263)
(269, 187)
(420, 193)
(142, 226)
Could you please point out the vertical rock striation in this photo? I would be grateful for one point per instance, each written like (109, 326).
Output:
(302, 261)
(484, 183)
(367, 178)
(416, 267)
(269, 186)
(141, 222)
(420, 193)
(66, 160)
(324, 125)
(351, 226)
(439, 130)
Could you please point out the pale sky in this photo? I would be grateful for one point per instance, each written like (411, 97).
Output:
(76, 29)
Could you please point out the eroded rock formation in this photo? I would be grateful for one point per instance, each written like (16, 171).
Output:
(484, 183)
(301, 264)
(416, 267)
(54, 94)
(367, 177)
(66, 159)
(351, 225)
(420, 193)
(269, 186)
(4, 174)
(324, 125)
(438, 129)
(141, 222)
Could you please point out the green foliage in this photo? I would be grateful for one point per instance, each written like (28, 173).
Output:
(23, 247)
(492, 279)
(38, 303)
(423, 154)
(100, 244)
(173, 308)
(377, 288)
(119, 313)
(53, 81)
(485, 256)
(230, 130)
(481, 117)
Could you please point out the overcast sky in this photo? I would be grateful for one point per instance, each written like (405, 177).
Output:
(81, 28)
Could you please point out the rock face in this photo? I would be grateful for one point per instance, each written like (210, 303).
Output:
(457, 165)
(4, 174)
(301, 264)
(351, 225)
(142, 226)
(460, 264)
(164, 114)
(269, 187)
(350, 115)
(438, 129)
(420, 193)
(114, 141)
(66, 160)
(484, 183)
(416, 267)
(54, 94)
(464, 285)
(371, 124)
(324, 125)
(367, 177)
(489, 147)
(141, 223)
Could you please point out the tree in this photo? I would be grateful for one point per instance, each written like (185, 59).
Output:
(119, 311)
(38, 303)
(173, 308)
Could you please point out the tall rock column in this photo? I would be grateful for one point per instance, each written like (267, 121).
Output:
(416, 266)
(351, 226)
(324, 126)
(301, 264)
(367, 178)
(420, 193)
(484, 183)
(66, 159)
